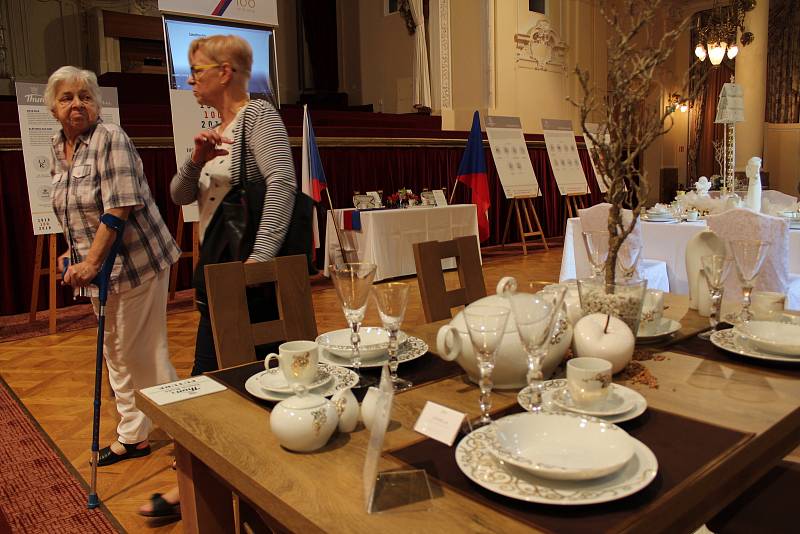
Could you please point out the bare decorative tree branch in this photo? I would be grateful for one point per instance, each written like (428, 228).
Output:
(630, 117)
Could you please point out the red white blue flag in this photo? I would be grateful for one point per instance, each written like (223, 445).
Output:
(313, 178)
(472, 173)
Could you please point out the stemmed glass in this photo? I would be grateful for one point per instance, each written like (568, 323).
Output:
(486, 325)
(535, 316)
(597, 249)
(749, 257)
(716, 268)
(628, 258)
(353, 282)
(392, 299)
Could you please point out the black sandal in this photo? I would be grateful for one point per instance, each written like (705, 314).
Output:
(109, 457)
(162, 509)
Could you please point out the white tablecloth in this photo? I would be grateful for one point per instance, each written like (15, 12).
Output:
(662, 241)
(386, 236)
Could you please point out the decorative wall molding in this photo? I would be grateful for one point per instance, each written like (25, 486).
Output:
(445, 76)
(541, 48)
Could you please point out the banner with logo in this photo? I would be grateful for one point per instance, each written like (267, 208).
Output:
(253, 11)
(37, 126)
(511, 158)
(563, 154)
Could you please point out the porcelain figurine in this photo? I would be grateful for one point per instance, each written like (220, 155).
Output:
(304, 423)
(347, 409)
(753, 172)
(511, 361)
(702, 185)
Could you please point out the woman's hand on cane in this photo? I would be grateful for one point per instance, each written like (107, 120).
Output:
(205, 146)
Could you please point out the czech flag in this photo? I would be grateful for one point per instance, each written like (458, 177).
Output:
(472, 173)
(313, 178)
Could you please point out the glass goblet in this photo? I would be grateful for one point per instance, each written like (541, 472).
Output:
(749, 256)
(535, 317)
(628, 258)
(486, 326)
(392, 299)
(716, 268)
(353, 282)
(597, 249)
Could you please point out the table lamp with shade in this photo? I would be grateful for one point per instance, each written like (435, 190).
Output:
(730, 110)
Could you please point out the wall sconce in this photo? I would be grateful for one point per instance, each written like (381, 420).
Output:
(677, 103)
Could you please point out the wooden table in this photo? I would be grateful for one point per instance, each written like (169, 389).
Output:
(224, 437)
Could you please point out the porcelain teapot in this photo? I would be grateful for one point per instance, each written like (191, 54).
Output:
(511, 361)
(304, 422)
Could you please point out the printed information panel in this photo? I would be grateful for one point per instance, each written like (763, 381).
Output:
(563, 153)
(511, 156)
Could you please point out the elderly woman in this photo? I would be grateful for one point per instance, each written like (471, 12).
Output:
(220, 71)
(97, 172)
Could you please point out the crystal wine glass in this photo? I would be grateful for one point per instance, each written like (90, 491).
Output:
(597, 249)
(749, 257)
(535, 316)
(392, 299)
(486, 325)
(716, 268)
(353, 282)
(628, 258)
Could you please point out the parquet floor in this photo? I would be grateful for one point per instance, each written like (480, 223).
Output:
(53, 376)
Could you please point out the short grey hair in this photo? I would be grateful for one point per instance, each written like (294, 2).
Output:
(70, 74)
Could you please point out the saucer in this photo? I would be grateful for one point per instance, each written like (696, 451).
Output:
(374, 341)
(412, 349)
(476, 461)
(666, 328)
(341, 378)
(728, 340)
(273, 380)
(551, 386)
(613, 404)
(561, 446)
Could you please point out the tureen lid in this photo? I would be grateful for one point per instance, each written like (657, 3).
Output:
(492, 300)
(303, 402)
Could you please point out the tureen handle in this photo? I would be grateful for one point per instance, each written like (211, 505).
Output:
(448, 332)
(507, 286)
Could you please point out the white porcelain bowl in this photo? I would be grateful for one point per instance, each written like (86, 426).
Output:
(769, 336)
(374, 342)
(561, 446)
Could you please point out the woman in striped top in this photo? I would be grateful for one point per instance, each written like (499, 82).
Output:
(220, 71)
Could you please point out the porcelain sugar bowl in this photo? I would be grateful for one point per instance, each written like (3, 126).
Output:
(511, 361)
(304, 423)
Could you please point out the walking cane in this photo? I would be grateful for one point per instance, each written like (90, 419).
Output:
(102, 280)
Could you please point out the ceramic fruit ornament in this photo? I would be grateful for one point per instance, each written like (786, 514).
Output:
(599, 335)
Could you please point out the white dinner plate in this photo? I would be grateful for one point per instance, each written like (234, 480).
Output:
(659, 219)
(412, 349)
(615, 403)
(561, 446)
(341, 378)
(666, 328)
(273, 380)
(551, 386)
(476, 461)
(730, 341)
(374, 342)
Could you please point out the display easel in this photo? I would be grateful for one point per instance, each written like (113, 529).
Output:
(53, 276)
(525, 204)
(576, 201)
(194, 254)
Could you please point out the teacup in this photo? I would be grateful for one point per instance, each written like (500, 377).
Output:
(692, 215)
(766, 305)
(588, 380)
(652, 312)
(298, 361)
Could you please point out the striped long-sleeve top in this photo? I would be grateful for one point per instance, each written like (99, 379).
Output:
(267, 157)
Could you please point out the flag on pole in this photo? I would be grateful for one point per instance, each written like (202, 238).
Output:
(472, 173)
(313, 177)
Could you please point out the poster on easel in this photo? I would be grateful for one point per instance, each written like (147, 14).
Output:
(37, 127)
(511, 157)
(563, 153)
(186, 20)
(595, 129)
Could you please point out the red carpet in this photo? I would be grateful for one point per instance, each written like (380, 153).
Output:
(38, 492)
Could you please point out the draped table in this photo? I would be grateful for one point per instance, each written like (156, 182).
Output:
(661, 241)
(386, 235)
(223, 444)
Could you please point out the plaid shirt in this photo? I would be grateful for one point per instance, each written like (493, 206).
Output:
(107, 173)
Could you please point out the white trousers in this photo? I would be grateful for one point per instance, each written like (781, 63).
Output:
(136, 351)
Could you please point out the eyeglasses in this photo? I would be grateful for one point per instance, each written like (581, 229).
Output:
(196, 70)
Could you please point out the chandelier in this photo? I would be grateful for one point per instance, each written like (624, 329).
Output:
(717, 37)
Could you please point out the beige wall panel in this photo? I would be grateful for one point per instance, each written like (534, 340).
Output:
(782, 157)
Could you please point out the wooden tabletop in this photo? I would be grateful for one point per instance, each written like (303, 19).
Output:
(322, 491)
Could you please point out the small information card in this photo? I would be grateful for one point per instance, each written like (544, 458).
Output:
(439, 422)
(196, 386)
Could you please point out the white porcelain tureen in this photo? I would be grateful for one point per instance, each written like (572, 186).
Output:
(511, 361)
